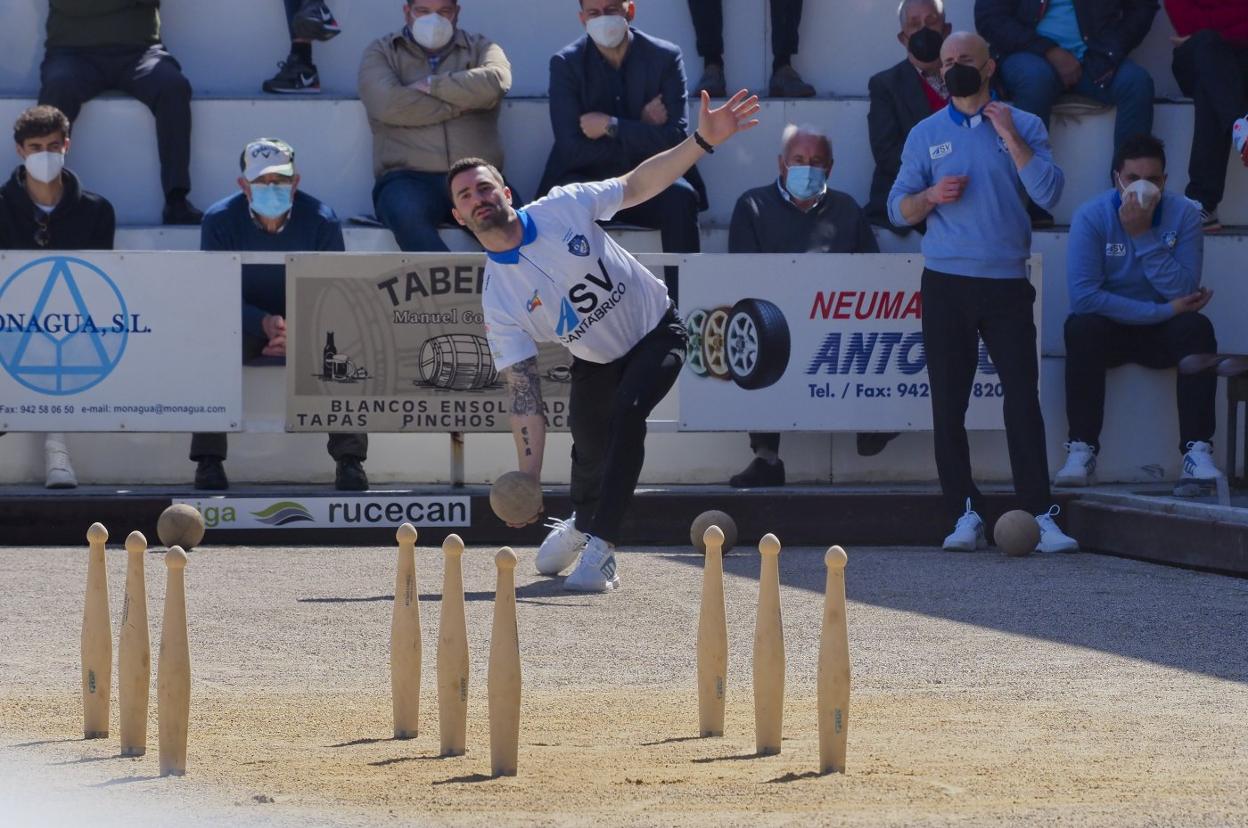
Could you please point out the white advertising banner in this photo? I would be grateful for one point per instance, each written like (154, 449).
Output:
(815, 342)
(120, 342)
(332, 512)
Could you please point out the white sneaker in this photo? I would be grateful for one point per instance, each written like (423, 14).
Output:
(968, 534)
(60, 474)
(562, 545)
(596, 571)
(1053, 539)
(1199, 473)
(1080, 465)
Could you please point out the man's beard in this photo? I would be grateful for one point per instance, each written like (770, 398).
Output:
(495, 219)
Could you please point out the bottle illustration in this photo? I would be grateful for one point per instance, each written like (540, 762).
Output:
(327, 360)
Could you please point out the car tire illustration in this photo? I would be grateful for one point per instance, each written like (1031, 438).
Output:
(714, 355)
(694, 323)
(756, 343)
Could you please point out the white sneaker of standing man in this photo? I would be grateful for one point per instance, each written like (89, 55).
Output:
(1080, 465)
(1052, 538)
(59, 472)
(596, 570)
(1199, 473)
(561, 546)
(968, 533)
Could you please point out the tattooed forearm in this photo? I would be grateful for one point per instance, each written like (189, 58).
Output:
(528, 444)
(525, 388)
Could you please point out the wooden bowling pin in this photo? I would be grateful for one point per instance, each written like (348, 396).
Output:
(173, 672)
(453, 653)
(768, 652)
(97, 640)
(503, 681)
(405, 639)
(833, 682)
(712, 638)
(134, 653)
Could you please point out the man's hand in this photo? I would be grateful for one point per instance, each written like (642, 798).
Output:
(947, 190)
(1135, 217)
(654, 113)
(1192, 302)
(594, 125)
(423, 85)
(736, 115)
(1068, 68)
(274, 327)
(541, 513)
(1002, 120)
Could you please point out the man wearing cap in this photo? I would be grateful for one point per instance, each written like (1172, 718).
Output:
(270, 214)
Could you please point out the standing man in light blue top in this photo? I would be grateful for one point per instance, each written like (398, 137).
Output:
(966, 170)
(1133, 268)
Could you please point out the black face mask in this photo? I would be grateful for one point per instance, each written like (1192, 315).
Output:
(925, 45)
(963, 80)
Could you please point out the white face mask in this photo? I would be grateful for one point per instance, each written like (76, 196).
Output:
(45, 167)
(608, 30)
(432, 31)
(1146, 192)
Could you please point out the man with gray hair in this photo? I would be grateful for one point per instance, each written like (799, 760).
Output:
(796, 213)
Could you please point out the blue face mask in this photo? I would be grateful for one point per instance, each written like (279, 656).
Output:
(271, 200)
(805, 182)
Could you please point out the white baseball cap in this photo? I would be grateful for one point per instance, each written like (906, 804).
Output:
(267, 155)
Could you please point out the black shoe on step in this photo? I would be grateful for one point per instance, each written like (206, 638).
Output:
(759, 473)
(295, 76)
(210, 474)
(350, 476)
(179, 211)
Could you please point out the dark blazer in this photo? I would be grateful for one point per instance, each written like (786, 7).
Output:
(81, 221)
(897, 104)
(1111, 28)
(582, 81)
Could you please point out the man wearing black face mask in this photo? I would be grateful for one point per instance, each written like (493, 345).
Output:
(904, 95)
(967, 170)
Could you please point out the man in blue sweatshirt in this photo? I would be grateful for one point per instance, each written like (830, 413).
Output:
(1133, 270)
(271, 214)
(967, 170)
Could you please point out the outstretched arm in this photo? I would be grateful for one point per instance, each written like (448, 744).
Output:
(657, 173)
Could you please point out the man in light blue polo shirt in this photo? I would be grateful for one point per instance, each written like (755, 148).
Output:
(966, 170)
(1133, 268)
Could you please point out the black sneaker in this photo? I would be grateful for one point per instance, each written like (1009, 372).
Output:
(871, 443)
(295, 76)
(1209, 221)
(314, 21)
(179, 211)
(350, 476)
(210, 474)
(759, 473)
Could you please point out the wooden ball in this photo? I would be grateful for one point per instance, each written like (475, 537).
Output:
(516, 497)
(1016, 533)
(704, 521)
(180, 525)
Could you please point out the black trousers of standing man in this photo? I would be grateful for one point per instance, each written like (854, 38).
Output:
(957, 312)
(607, 410)
(708, 26)
(1215, 74)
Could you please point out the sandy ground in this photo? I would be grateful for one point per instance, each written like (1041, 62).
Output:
(1042, 691)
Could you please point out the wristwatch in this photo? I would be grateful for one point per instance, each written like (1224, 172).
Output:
(613, 127)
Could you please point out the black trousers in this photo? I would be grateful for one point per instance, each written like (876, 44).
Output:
(708, 26)
(71, 77)
(764, 440)
(608, 406)
(1215, 74)
(957, 312)
(1095, 344)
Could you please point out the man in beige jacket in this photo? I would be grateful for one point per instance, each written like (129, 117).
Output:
(432, 93)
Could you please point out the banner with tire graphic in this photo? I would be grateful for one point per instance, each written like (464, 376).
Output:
(814, 342)
(396, 343)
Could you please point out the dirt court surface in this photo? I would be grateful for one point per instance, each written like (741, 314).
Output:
(1069, 690)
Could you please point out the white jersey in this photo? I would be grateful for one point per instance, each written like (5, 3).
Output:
(569, 282)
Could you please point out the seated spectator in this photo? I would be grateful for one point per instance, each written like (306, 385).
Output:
(795, 213)
(96, 45)
(1211, 66)
(1079, 46)
(617, 97)
(307, 20)
(432, 93)
(904, 95)
(1133, 269)
(708, 25)
(43, 207)
(271, 214)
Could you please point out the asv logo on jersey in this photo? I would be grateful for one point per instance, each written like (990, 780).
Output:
(584, 305)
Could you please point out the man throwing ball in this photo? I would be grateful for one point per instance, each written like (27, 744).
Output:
(553, 275)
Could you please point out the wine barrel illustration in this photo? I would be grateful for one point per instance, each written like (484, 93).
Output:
(458, 361)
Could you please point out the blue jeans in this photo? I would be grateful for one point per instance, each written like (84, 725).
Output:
(1033, 85)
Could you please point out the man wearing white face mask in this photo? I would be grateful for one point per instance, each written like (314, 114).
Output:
(271, 214)
(432, 93)
(43, 207)
(1133, 267)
